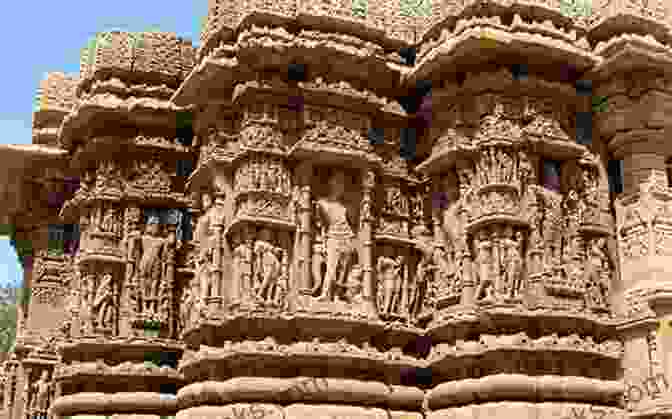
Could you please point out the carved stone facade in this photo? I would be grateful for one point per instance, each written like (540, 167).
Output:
(302, 244)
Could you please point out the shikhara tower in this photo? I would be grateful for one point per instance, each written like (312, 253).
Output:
(315, 192)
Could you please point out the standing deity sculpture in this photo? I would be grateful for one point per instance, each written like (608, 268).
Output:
(189, 296)
(150, 252)
(104, 301)
(42, 390)
(206, 249)
(487, 281)
(512, 266)
(267, 268)
(243, 255)
(597, 274)
(424, 272)
(589, 205)
(339, 236)
(389, 271)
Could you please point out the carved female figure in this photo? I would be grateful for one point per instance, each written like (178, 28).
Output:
(339, 235)
(267, 268)
(423, 274)
(104, 301)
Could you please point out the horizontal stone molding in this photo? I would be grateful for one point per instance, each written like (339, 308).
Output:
(524, 410)
(518, 386)
(116, 402)
(287, 390)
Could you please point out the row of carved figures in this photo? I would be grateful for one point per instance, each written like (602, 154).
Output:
(263, 174)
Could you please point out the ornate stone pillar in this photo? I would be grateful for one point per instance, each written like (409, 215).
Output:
(304, 174)
(644, 262)
(366, 238)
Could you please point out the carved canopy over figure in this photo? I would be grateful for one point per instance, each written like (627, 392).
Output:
(339, 236)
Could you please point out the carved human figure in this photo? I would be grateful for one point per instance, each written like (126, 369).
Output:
(552, 227)
(517, 264)
(339, 235)
(187, 304)
(282, 286)
(236, 266)
(42, 391)
(319, 252)
(150, 267)
(389, 269)
(267, 269)
(423, 275)
(508, 250)
(597, 273)
(203, 238)
(354, 287)
(590, 197)
(107, 224)
(245, 256)
(484, 260)
(89, 298)
(104, 301)
(451, 220)
(445, 269)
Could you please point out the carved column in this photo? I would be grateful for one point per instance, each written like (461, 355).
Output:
(304, 174)
(366, 238)
(643, 265)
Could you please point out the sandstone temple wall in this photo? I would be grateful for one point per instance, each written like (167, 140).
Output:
(328, 214)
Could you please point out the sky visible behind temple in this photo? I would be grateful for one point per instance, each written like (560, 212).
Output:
(44, 36)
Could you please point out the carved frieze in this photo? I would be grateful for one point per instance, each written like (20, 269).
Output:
(262, 137)
(337, 138)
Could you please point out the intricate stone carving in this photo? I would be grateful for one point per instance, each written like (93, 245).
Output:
(42, 391)
(337, 238)
(149, 270)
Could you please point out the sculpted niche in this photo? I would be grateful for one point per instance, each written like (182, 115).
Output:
(150, 255)
(337, 236)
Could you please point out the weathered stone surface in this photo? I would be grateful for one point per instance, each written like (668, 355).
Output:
(273, 225)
